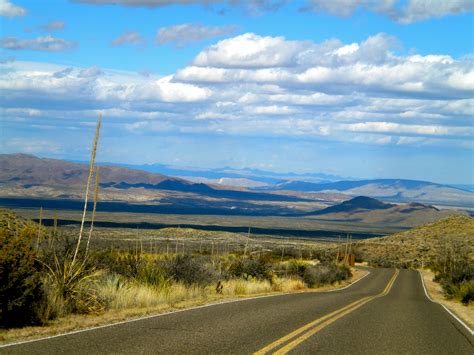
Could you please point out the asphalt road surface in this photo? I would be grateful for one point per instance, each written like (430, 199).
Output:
(385, 313)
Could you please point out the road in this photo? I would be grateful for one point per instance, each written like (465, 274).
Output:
(385, 313)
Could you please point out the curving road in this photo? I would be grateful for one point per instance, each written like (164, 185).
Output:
(385, 313)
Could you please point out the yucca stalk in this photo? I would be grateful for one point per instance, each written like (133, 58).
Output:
(89, 178)
(350, 249)
(346, 248)
(54, 234)
(247, 243)
(39, 228)
(96, 194)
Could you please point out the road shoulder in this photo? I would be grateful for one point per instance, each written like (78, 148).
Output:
(435, 291)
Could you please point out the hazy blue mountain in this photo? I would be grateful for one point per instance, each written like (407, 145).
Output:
(395, 190)
(267, 177)
(466, 187)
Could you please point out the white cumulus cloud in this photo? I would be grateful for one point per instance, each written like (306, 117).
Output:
(265, 86)
(181, 35)
(45, 44)
(8, 9)
(53, 26)
(130, 37)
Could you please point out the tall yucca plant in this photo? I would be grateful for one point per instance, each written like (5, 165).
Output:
(96, 194)
(89, 178)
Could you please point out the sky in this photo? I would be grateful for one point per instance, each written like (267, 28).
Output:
(360, 88)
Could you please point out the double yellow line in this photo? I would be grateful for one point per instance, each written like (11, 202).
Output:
(301, 334)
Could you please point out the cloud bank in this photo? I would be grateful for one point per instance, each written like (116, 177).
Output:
(401, 11)
(262, 86)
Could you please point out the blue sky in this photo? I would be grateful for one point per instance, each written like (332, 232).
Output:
(362, 88)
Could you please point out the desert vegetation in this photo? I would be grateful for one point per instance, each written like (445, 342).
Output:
(454, 270)
(446, 247)
(41, 280)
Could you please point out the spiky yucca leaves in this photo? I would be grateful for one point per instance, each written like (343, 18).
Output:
(71, 286)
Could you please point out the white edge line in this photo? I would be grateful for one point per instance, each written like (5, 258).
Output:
(446, 308)
(173, 312)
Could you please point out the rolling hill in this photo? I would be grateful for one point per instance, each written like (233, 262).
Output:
(421, 243)
(359, 203)
(371, 211)
(23, 169)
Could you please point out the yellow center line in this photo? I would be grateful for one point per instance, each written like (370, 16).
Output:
(318, 324)
(297, 341)
(298, 331)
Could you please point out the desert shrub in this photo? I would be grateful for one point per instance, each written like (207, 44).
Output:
(154, 273)
(359, 255)
(72, 286)
(251, 268)
(127, 264)
(296, 268)
(133, 265)
(189, 270)
(323, 274)
(454, 270)
(20, 281)
(380, 261)
(463, 291)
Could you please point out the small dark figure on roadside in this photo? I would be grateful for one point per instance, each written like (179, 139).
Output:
(219, 288)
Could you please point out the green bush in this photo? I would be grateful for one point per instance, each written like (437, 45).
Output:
(454, 270)
(127, 263)
(296, 268)
(154, 273)
(324, 274)
(251, 268)
(192, 270)
(463, 291)
(20, 286)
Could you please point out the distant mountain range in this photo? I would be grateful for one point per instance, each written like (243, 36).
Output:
(231, 176)
(27, 176)
(465, 187)
(29, 171)
(392, 190)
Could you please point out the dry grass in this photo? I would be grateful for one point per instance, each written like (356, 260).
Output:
(133, 300)
(466, 313)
